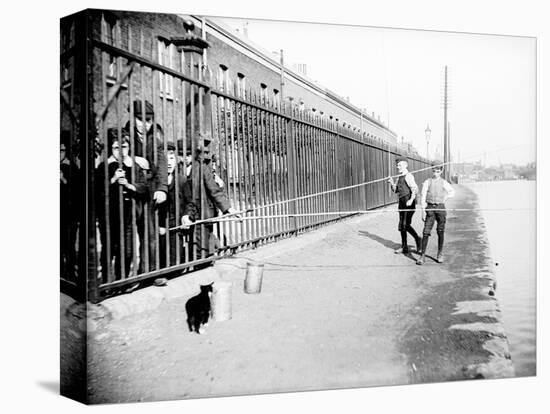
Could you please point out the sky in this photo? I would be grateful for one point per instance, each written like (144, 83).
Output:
(398, 74)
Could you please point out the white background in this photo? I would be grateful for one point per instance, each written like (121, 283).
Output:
(398, 74)
(29, 170)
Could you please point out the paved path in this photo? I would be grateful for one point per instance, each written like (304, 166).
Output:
(338, 309)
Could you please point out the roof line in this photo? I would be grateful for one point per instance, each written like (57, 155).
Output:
(330, 94)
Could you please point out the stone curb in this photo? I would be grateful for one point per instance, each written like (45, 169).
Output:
(500, 364)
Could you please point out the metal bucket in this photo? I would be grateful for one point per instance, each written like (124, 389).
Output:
(253, 279)
(221, 301)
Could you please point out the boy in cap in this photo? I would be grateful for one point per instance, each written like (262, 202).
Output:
(144, 146)
(121, 189)
(406, 190)
(435, 191)
(167, 211)
(214, 198)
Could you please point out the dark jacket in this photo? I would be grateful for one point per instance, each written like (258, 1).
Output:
(185, 203)
(158, 176)
(402, 188)
(215, 197)
(139, 195)
(67, 199)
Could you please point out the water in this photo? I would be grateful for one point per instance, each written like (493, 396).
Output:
(512, 240)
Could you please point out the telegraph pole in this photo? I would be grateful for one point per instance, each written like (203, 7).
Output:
(450, 166)
(445, 130)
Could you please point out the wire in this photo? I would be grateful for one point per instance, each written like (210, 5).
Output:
(231, 216)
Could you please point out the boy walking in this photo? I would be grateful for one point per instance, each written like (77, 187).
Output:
(406, 190)
(435, 191)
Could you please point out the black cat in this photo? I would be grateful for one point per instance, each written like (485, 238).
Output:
(198, 309)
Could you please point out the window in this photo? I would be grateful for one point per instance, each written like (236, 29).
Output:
(241, 84)
(110, 31)
(66, 74)
(224, 85)
(112, 71)
(223, 78)
(166, 58)
(276, 98)
(111, 39)
(263, 93)
(67, 36)
(64, 40)
(110, 34)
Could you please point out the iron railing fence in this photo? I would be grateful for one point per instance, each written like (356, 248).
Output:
(208, 148)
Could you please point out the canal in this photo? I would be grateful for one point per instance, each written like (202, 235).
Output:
(512, 239)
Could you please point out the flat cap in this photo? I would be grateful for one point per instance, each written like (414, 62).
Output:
(170, 146)
(148, 108)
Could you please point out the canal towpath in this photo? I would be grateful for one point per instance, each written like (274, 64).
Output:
(337, 309)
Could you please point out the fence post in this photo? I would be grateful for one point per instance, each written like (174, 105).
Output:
(291, 153)
(88, 283)
(193, 47)
(336, 165)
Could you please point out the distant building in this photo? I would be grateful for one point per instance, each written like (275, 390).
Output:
(509, 172)
(237, 54)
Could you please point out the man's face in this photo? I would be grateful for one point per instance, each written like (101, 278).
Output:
(436, 172)
(143, 127)
(116, 150)
(171, 161)
(401, 166)
(188, 160)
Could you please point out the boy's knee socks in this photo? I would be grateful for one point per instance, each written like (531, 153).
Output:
(425, 243)
(404, 239)
(440, 239)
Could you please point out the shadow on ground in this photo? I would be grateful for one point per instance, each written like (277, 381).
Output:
(385, 242)
(52, 386)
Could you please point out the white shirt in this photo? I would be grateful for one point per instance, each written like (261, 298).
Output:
(450, 191)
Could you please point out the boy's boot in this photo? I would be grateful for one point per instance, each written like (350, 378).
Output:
(404, 248)
(420, 245)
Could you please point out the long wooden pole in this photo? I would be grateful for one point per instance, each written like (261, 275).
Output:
(445, 130)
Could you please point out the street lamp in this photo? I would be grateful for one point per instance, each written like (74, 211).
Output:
(428, 133)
